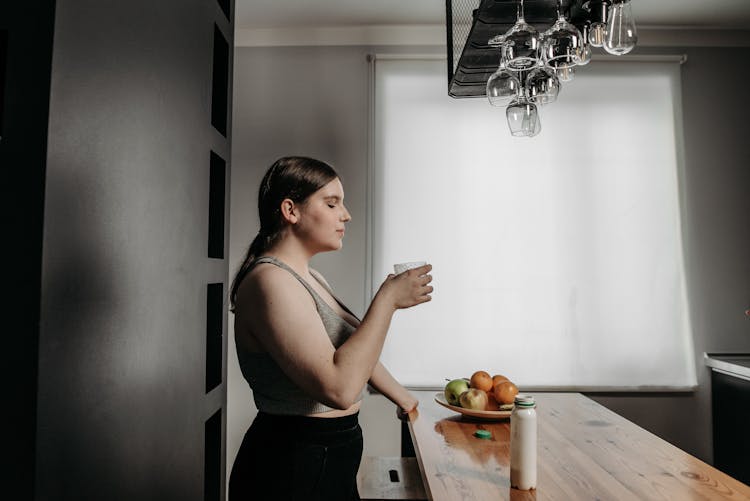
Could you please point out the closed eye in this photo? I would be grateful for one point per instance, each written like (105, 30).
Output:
(333, 201)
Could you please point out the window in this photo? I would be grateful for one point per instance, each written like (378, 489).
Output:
(557, 259)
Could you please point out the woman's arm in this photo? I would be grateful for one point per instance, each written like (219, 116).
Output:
(381, 379)
(385, 383)
(282, 316)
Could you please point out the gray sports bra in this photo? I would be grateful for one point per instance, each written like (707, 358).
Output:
(273, 391)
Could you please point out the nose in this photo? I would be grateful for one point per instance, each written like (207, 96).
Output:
(346, 217)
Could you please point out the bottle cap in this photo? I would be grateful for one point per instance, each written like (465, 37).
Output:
(483, 434)
(524, 400)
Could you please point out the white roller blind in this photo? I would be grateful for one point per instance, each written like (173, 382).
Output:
(557, 259)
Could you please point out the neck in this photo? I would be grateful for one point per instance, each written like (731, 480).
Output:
(292, 253)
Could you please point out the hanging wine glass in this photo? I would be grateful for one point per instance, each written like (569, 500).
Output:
(520, 47)
(537, 126)
(523, 118)
(561, 42)
(502, 87)
(542, 86)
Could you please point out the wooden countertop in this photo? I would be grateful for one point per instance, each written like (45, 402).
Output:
(585, 451)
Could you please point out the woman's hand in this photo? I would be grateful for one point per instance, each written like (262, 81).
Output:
(403, 414)
(409, 288)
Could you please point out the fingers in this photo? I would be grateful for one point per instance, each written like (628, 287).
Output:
(425, 297)
(411, 287)
(422, 270)
(425, 279)
(403, 414)
(426, 290)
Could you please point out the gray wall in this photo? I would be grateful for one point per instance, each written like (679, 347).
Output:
(313, 101)
(292, 101)
(122, 400)
(300, 102)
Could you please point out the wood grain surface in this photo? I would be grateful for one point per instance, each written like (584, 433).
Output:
(385, 478)
(585, 451)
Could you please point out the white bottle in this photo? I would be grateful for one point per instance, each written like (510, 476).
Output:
(523, 443)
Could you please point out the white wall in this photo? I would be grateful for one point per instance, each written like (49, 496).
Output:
(313, 101)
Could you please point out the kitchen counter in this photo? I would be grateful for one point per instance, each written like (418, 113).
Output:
(737, 365)
(585, 451)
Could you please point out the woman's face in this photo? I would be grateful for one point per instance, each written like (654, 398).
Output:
(322, 218)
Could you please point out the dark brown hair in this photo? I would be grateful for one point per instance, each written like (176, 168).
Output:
(295, 178)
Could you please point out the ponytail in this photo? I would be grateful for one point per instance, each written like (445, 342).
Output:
(257, 248)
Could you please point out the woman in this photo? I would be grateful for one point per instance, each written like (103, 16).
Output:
(306, 356)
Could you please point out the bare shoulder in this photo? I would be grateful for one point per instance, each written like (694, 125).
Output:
(266, 282)
(275, 309)
(319, 277)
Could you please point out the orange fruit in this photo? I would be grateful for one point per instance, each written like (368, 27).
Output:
(492, 404)
(505, 392)
(481, 380)
(497, 379)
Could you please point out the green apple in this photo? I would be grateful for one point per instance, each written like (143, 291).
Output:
(474, 399)
(454, 389)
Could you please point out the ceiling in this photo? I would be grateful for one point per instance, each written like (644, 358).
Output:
(729, 14)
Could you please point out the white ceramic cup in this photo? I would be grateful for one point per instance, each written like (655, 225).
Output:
(402, 267)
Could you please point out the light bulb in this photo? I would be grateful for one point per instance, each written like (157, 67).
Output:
(620, 36)
(583, 55)
(596, 34)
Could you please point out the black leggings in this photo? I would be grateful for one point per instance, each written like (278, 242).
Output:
(298, 458)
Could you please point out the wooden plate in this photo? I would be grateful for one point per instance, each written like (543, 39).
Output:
(486, 415)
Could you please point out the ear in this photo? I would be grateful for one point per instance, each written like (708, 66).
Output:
(289, 211)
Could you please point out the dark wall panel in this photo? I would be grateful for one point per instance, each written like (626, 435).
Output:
(220, 83)
(3, 59)
(214, 335)
(213, 450)
(226, 8)
(122, 356)
(216, 205)
(26, 30)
